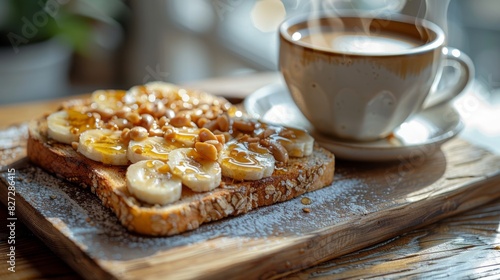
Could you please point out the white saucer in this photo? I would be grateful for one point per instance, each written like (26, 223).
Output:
(419, 137)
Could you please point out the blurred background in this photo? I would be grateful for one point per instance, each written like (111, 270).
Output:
(51, 48)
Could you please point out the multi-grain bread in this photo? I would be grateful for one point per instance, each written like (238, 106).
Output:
(292, 177)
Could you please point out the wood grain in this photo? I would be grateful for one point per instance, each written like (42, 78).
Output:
(34, 260)
(367, 204)
(465, 246)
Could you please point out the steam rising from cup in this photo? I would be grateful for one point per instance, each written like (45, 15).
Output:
(353, 40)
(437, 11)
(360, 40)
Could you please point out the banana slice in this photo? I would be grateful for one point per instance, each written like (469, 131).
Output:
(152, 182)
(149, 148)
(103, 145)
(107, 102)
(197, 173)
(186, 137)
(246, 161)
(66, 126)
(159, 147)
(297, 142)
(149, 92)
(161, 87)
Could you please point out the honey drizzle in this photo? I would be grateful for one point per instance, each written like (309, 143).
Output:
(80, 122)
(239, 155)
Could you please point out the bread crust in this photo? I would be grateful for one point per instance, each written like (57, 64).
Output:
(232, 198)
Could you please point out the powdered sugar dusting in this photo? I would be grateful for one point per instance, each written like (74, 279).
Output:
(80, 216)
(12, 145)
(13, 136)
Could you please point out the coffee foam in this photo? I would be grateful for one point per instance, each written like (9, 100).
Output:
(353, 42)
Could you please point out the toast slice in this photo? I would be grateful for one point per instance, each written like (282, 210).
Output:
(231, 198)
(92, 142)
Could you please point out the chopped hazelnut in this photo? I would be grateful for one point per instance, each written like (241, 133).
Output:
(244, 126)
(138, 133)
(146, 121)
(206, 135)
(180, 121)
(206, 150)
(133, 117)
(223, 123)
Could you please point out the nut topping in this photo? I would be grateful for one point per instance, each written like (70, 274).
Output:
(279, 152)
(223, 123)
(206, 135)
(206, 150)
(243, 126)
(138, 133)
(181, 121)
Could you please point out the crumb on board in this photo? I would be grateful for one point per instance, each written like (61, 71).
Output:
(305, 200)
(306, 210)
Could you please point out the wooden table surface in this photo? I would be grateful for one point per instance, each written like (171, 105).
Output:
(463, 246)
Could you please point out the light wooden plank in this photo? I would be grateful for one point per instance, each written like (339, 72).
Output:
(461, 247)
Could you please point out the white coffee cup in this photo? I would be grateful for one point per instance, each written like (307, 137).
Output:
(359, 78)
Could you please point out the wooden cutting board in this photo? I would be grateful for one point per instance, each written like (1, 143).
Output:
(367, 204)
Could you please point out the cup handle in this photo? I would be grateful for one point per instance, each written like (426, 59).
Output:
(456, 75)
